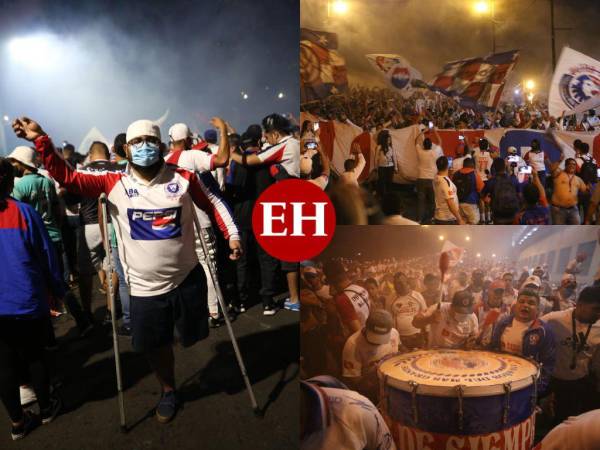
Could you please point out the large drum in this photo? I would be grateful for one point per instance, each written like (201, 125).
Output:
(459, 400)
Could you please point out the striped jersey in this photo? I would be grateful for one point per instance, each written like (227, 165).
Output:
(154, 221)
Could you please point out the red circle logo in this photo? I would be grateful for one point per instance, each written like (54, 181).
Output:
(293, 220)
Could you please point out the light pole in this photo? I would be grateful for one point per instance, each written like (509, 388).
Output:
(484, 7)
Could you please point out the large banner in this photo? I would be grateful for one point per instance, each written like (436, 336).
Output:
(398, 73)
(337, 139)
(476, 83)
(322, 69)
(575, 85)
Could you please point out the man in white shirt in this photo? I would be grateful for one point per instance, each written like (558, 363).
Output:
(203, 164)
(446, 198)
(363, 351)
(334, 417)
(577, 334)
(452, 325)
(353, 167)
(150, 205)
(427, 154)
(403, 308)
(510, 293)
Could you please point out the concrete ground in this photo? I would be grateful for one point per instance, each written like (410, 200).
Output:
(217, 413)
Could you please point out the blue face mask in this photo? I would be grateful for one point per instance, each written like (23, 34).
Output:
(144, 154)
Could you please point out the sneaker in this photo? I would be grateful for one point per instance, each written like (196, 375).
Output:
(295, 306)
(27, 395)
(241, 308)
(270, 310)
(215, 321)
(49, 414)
(29, 423)
(124, 330)
(167, 407)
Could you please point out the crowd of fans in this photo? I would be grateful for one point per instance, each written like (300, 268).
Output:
(374, 109)
(159, 189)
(356, 313)
(477, 186)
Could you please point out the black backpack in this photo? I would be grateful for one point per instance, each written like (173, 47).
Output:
(464, 185)
(505, 201)
(588, 172)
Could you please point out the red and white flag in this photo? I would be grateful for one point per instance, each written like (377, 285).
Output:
(451, 254)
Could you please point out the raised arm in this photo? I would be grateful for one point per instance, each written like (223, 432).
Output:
(222, 157)
(86, 184)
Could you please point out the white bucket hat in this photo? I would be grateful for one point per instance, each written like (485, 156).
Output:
(25, 155)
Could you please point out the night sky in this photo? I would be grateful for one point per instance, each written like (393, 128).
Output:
(113, 62)
(430, 33)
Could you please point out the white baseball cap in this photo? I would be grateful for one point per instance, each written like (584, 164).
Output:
(179, 131)
(142, 128)
(512, 150)
(533, 279)
(23, 154)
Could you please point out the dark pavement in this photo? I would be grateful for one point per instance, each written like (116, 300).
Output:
(217, 413)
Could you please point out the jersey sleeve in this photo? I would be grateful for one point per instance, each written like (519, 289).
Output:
(199, 160)
(88, 184)
(345, 309)
(206, 195)
(273, 154)
(351, 365)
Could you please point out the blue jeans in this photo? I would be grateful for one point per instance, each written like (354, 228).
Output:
(565, 216)
(123, 288)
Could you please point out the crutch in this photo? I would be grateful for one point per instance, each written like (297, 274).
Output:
(213, 275)
(111, 301)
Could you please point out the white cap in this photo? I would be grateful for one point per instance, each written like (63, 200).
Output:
(25, 155)
(512, 150)
(533, 279)
(179, 131)
(142, 128)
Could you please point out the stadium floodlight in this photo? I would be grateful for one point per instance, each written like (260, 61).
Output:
(5, 118)
(339, 7)
(34, 50)
(280, 95)
(482, 7)
(530, 85)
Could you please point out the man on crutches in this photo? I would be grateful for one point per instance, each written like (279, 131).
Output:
(110, 293)
(151, 207)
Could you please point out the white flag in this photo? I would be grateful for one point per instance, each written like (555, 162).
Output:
(575, 84)
(397, 71)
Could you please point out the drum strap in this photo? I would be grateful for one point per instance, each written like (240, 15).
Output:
(578, 341)
(415, 410)
(507, 389)
(460, 390)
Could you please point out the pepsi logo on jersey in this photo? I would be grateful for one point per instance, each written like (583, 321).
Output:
(154, 224)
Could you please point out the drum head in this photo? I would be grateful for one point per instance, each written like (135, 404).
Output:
(438, 372)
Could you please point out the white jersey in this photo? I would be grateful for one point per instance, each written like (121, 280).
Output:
(219, 172)
(194, 161)
(562, 327)
(577, 432)
(285, 153)
(360, 356)
(483, 163)
(349, 422)
(536, 160)
(353, 304)
(449, 333)
(153, 221)
(403, 309)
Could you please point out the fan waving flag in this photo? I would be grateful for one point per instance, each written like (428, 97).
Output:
(322, 69)
(398, 72)
(476, 83)
(450, 256)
